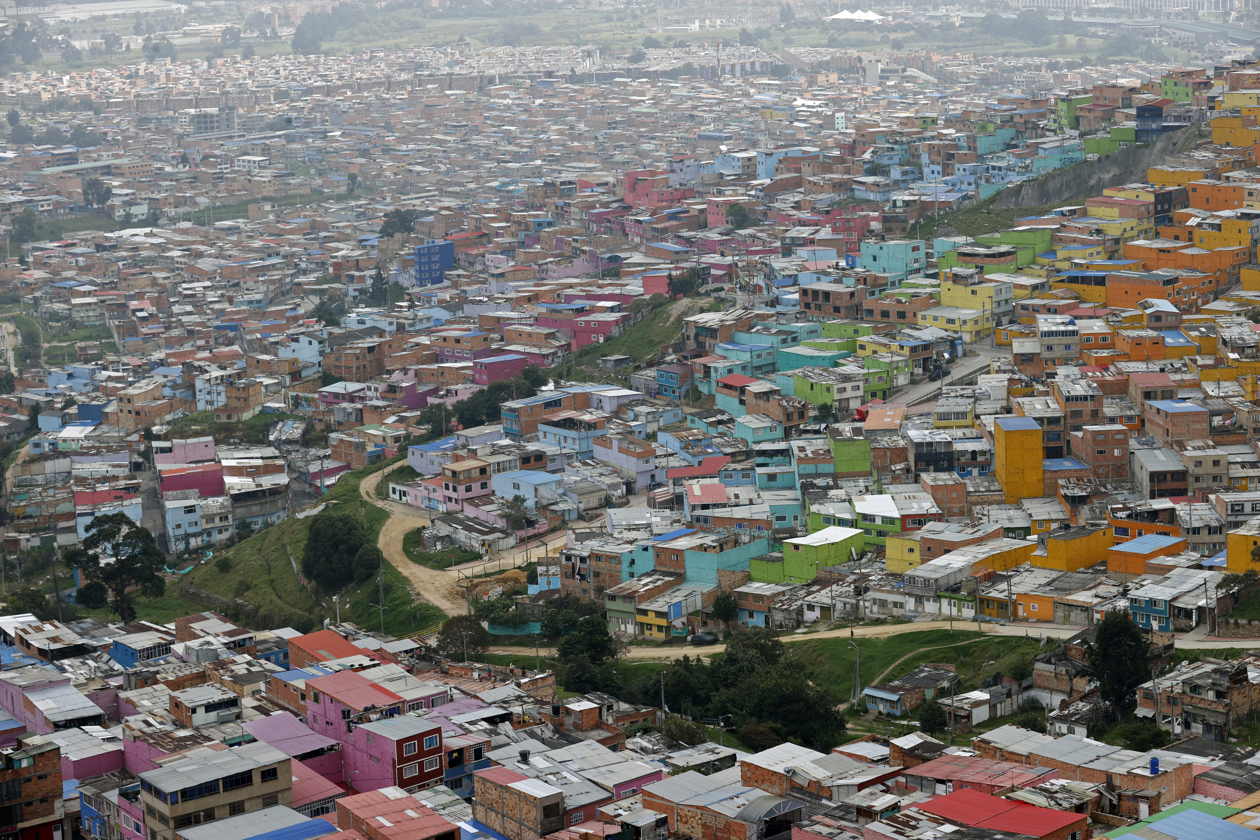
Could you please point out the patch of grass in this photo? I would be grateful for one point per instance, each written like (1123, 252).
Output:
(251, 431)
(404, 614)
(163, 610)
(264, 581)
(976, 657)
(60, 228)
(413, 547)
(83, 334)
(400, 474)
(1248, 608)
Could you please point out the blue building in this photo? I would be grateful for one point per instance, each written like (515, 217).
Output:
(133, 648)
(433, 259)
(901, 259)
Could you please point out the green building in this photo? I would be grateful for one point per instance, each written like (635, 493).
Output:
(846, 329)
(850, 449)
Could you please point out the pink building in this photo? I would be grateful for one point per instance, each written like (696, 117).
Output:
(402, 751)
(190, 451)
(290, 736)
(145, 741)
(314, 795)
(498, 368)
(651, 188)
(84, 755)
(42, 700)
(336, 698)
(207, 479)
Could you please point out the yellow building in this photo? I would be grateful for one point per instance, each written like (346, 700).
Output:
(901, 552)
(1177, 176)
(1239, 543)
(1238, 132)
(1128, 230)
(1030, 607)
(1233, 233)
(1017, 454)
(972, 324)
(982, 296)
(1008, 331)
(1074, 549)
(1250, 277)
(1091, 288)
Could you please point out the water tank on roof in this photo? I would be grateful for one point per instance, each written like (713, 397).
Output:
(1154, 766)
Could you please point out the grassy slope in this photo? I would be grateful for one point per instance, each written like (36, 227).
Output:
(251, 431)
(263, 577)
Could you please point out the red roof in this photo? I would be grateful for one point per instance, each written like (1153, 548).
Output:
(979, 810)
(707, 466)
(350, 688)
(736, 380)
(499, 775)
(323, 645)
(711, 493)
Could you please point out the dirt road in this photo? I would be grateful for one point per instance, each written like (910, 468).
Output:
(436, 587)
(1034, 631)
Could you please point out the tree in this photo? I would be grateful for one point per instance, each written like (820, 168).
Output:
(27, 600)
(244, 530)
(786, 13)
(462, 636)
(677, 729)
(247, 53)
(932, 719)
(22, 228)
(92, 595)
(96, 193)
(334, 540)
(681, 285)
(737, 216)
(368, 560)
(22, 135)
(1142, 737)
(13, 117)
(826, 412)
(353, 178)
(517, 513)
(637, 57)
(650, 43)
(1119, 659)
(725, 609)
(398, 221)
(137, 561)
(378, 293)
(112, 42)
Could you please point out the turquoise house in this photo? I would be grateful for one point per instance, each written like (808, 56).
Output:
(758, 428)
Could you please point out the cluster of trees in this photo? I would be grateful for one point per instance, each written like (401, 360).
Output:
(96, 193)
(317, 27)
(339, 549)
(136, 565)
(397, 221)
(770, 694)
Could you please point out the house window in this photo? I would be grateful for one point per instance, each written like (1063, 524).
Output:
(431, 764)
(409, 748)
(431, 742)
(410, 771)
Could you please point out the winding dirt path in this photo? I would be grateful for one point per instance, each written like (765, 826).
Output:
(436, 587)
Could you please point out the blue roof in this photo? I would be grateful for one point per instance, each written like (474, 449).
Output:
(1147, 544)
(307, 673)
(314, 827)
(1017, 424)
(444, 445)
(1196, 825)
(506, 357)
(1056, 464)
(666, 247)
(473, 830)
(1175, 406)
(681, 532)
(1174, 338)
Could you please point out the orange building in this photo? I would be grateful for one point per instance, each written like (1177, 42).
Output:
(1216, 195)
(1130, 558)
(1187, 290)
(1141, 345)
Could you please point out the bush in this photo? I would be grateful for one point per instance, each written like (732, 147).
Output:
(223, 564)
(759, 736)
(92, 595)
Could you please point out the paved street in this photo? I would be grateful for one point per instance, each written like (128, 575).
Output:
(969, 366)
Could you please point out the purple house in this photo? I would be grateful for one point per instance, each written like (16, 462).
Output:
(402, 388)
(496, 368)
(290, 736)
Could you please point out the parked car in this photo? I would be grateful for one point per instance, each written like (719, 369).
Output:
(700, 639)
(939, 373)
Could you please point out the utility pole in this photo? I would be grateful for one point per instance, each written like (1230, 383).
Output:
(855, 693)
(380, 578)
